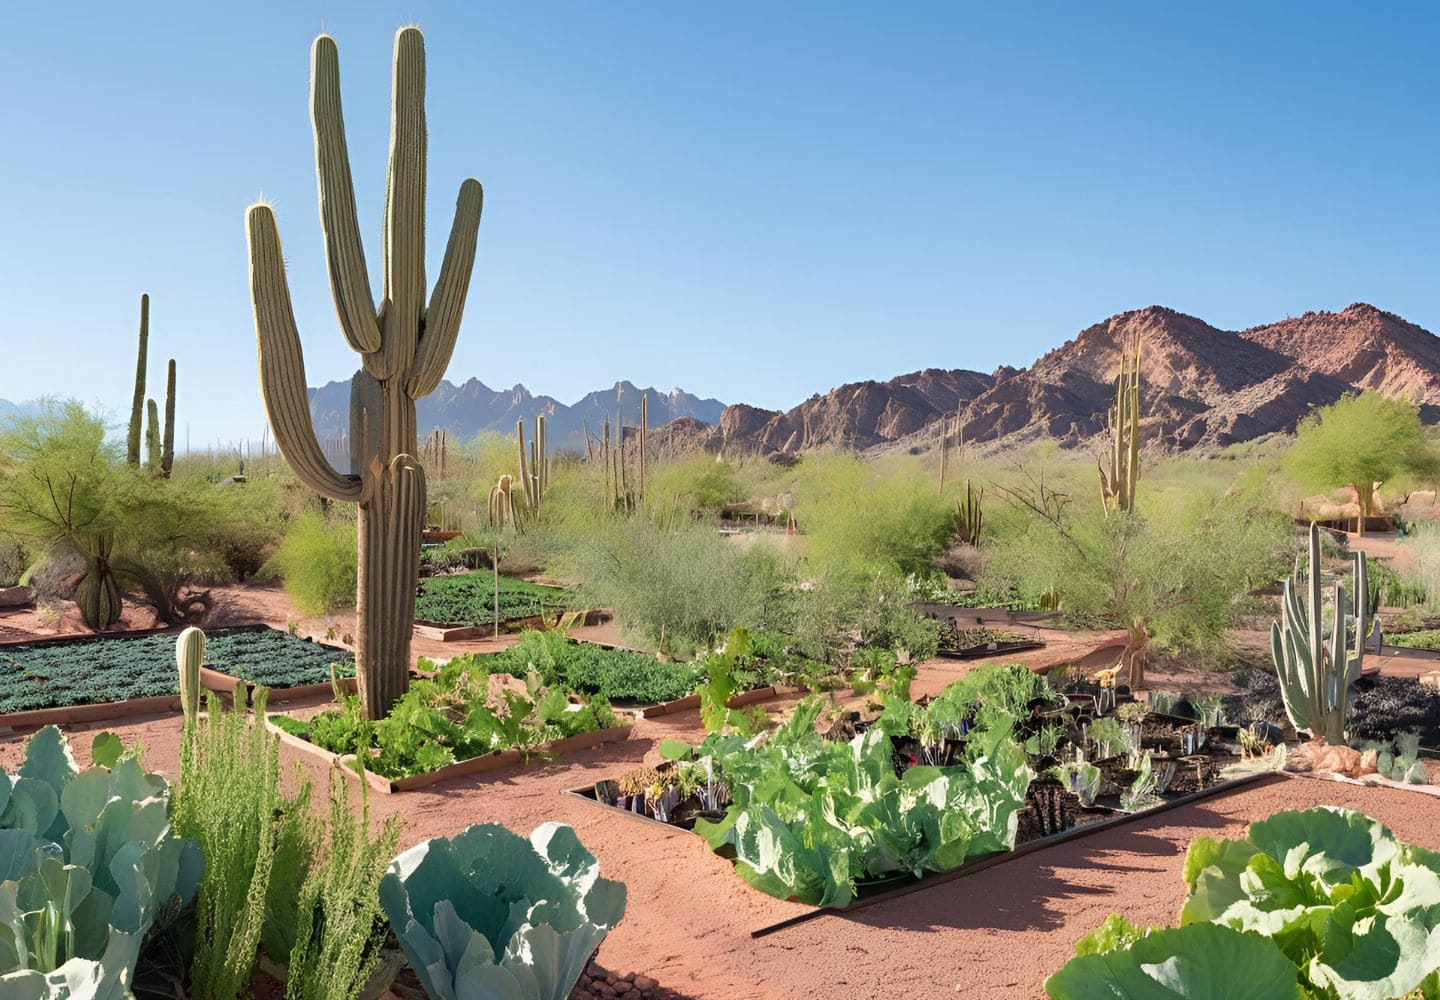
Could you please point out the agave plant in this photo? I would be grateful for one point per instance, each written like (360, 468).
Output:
(90, 866)
(490, 915)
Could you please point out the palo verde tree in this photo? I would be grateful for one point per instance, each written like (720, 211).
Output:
(63, 488)
(404, 346)
(1360, 441)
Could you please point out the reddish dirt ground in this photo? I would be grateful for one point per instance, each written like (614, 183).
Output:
(688, 924)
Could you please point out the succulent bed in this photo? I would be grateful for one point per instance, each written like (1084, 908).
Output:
(469, 599)
(458, 714)
(61, 673)
(999, 758)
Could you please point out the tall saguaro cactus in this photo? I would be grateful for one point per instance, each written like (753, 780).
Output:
(137, 402)
(404, 346)
(167, 440)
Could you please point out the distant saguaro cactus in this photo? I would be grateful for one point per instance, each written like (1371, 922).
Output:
(137, 402)
(167, 439)
(1117, 484)
(404, 346)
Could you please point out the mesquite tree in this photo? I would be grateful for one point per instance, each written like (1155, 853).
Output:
(404, 347)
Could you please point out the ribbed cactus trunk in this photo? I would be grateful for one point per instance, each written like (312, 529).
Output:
(137, 402)
(1117, 485)
(405, 347)
(152, 437)
(167, 442)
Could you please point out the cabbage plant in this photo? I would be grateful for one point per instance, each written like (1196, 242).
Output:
(490, 915)
(1350, 910)
(89, 866)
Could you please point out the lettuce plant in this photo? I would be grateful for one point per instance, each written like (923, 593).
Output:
(90, 866)
(489, 914)
(1351, 911)
(810, 818)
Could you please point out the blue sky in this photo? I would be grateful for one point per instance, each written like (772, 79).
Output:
(752, 201)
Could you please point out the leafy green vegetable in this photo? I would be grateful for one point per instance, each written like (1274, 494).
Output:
(1349, 910)
(614, 674)
(488, 913)
(811, 818)
(453, 717)
(469, 599)
(1200, 962)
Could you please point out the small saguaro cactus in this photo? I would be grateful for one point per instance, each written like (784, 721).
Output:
(502, 503)
(189, 656)
(1315, 676)
(152, 437)
(404, 346)
(167, 439)
(1117, 484)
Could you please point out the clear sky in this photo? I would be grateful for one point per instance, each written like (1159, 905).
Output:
(753, 201)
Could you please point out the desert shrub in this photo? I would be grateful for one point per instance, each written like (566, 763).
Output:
(13, 563)
(64, 489)
(685, 586)
(840, 608)
(700, 484)
(865, 518)
(317, 563)
(1176, 571)
(340, 928)
(1419, 564)
(250, 526)
(227, 800)
(1390, 588)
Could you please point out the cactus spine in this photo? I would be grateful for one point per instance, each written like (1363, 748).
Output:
(137, 403)
(189, 656)
(1117, 485)
(1315, 676)
(404, 346)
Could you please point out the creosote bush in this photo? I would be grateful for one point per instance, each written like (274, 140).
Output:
(316, 562)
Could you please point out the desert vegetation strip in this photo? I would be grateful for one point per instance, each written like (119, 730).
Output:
(470, 599)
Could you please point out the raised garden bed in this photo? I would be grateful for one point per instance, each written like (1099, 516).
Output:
(876, 790)
(980, 641)
(346, 763)
(88, 678)
(462, 719)
(468, 600)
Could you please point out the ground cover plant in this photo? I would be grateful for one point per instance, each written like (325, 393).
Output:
(469, 599)
(456, 715)
(612, 674)
(79, 672)
(1323, 903)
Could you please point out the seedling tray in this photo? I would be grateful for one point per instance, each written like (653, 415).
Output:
(887, 889)
(474, 765)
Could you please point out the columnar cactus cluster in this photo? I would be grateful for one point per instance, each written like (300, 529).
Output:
(1315, 675)
(1117, 484)
(145, 425)
(404, 345)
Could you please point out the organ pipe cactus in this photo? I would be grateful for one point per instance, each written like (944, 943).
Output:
(1315, 676)
(1117, 484)
(404, 346)
(189, 656)
(502, 503)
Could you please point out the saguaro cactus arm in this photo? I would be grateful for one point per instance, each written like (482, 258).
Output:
(282, 364)
(447, 299)
(344, 251)
(404, 234)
